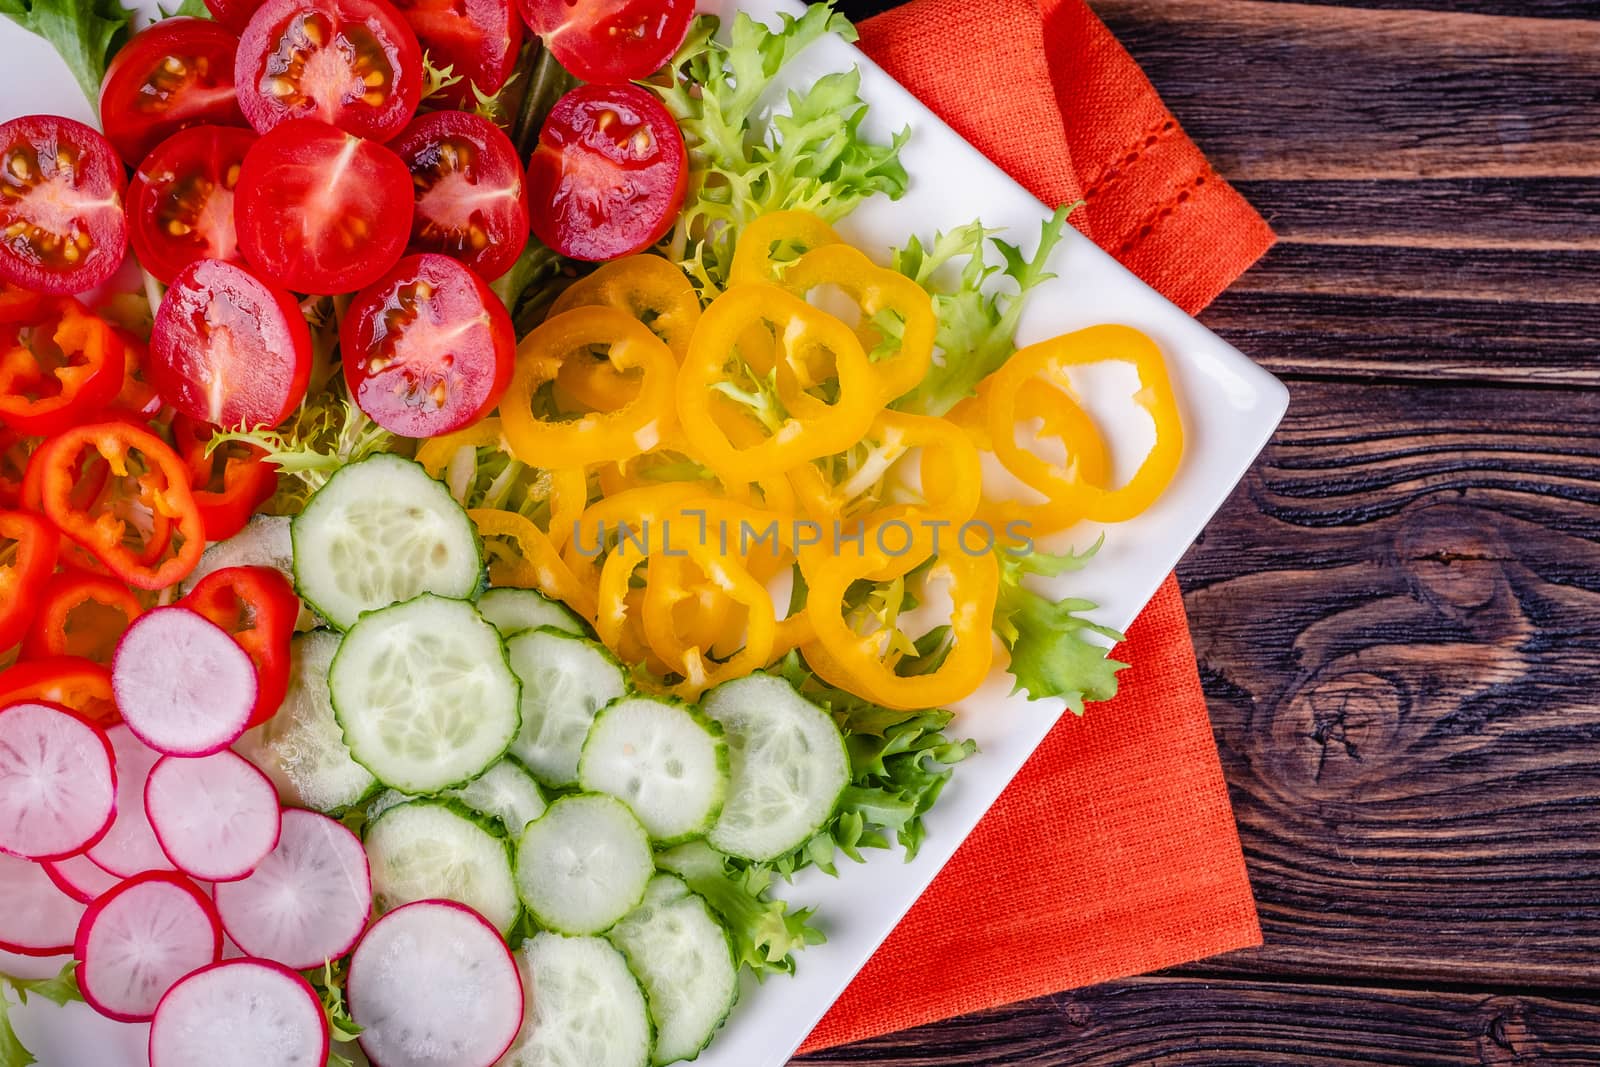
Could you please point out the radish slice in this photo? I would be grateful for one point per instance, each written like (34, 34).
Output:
(130, 847)
(183, 685)
(240, 1011)
(58, 786)
(36, 917)
(308, 901)
(135, 942)
(80, 878)
(434, 985)
(216, 817)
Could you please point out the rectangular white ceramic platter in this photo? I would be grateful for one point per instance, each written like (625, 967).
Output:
(1230, 408)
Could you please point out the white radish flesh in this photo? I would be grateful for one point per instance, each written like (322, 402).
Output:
(138, 940)
(183, 685)
(308, 901)
(434, 985)
(215, 817)
(130, 846)
(240, 1011)
(80, 878)
(57, 784)
(36, 917)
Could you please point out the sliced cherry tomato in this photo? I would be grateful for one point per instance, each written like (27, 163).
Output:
(29, 546)
(608, 176)
(478, 39)
(229, 482)
(180, 202)
(17, 304)
(234, 14)
(81, 614)
(65, 364)
(610, 41)
(354, 64)
(427, 349)
(78, 684)
(177, 73)
(229, 348)
(258, 606)
(471, 200)
(61, 224)
(320, 211)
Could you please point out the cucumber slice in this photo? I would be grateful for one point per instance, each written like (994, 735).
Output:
(380, 532)
(565, 681)
(424, 695)
(508, 792)
(788, 767)
(583, 864)
(438, 850)
(301, 748)
(663, 759)
(584, 1007)
(684, 960)
(265, 541)
(516, 611)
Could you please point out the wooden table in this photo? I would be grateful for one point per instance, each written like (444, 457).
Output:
(1398, 613)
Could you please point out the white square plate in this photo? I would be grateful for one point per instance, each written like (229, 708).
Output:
(1230, 407)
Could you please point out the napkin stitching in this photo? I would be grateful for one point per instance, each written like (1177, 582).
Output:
(1166, 209)
(1132, 154)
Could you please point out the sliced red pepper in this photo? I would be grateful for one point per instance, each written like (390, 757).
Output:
(17, 304)
(81, 614)
(138, 396)
(15, 450)
(28, 549)
(82, 685)
(259, 607)
(57, 366)
(227, 495)
(143, 524)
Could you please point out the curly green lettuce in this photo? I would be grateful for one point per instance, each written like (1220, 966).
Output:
(62, 989)
(1053, 654)
(86, 33)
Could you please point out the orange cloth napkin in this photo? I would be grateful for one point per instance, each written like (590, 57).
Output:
(1114, 852)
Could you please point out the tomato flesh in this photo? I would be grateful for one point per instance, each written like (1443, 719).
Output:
(229, 348)
(478, 39)
(320, 211)
(471, 200)
(427, 349)
(608, 176)
(62, 229)
(177, 73)
(180, 202)
(354, 64)
(610, 41)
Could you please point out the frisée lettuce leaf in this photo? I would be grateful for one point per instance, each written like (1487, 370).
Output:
(62, 989)
(85, 33)
(1052, 654)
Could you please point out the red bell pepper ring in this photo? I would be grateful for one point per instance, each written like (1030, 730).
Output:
(143, 524)
(57, 367)
(81, 614)
(81, 685)
(17, 304)
(29, 546)
(259, 607)
(228, 496)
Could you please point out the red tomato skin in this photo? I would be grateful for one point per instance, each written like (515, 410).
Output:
(234, 14)
(439, 224)
(142, 102)
(36, 143)
(372, 30)
(620, 195)
(312, 236)
(479, 39)
(187, 180)
(403, 374)
(610, 42)
(255, 375)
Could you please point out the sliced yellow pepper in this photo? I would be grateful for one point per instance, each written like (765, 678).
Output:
(775, 239)
(565, 491)
(951, 473)
(648, 288)
(536, 563)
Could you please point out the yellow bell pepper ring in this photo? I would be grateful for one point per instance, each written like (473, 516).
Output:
(950, 472)
(649, 289)
(774, 239)
(566, 490)
(537, 563)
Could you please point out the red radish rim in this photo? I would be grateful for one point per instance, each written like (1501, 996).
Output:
(111, 766)
(53, 871)
(213, 876)
(522, 992)
(40, 951)
(211, 748)
(92, 914)
(245, 961)
(366, 866)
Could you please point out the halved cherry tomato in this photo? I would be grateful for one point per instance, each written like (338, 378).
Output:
(471, 200)
(609, 174)
(230, 482)
(354, 64)
(610, 41)
(321, 211)
(64, 364)
(73, 682)
(234, 14)
(61, 224)
(478, 39)
(180, 202)
(81, 614)
(258, 606)
(28, 549)
(17, 304)
(427, 349)
(228, 348)
(177, 73)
